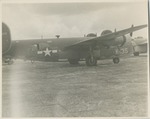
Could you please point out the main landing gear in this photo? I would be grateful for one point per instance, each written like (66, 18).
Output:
(91, 61)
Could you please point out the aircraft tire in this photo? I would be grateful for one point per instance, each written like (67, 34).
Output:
(91, 62)
(116, 60)
(73, 61)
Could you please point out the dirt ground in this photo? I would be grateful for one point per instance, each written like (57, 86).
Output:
(58, 89)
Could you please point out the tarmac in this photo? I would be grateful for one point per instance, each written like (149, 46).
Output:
(58, 89)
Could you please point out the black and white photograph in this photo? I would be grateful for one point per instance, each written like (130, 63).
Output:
(75, 59)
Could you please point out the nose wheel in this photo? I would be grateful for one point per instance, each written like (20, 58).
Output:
(116, 60)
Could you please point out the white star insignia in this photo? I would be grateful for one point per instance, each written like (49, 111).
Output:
(47, 52)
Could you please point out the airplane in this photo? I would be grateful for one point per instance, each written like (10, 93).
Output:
(139, 45)
(90, 48)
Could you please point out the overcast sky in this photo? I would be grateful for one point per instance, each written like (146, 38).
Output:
(33, 20)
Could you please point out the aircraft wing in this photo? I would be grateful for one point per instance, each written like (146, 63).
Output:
(106, 37)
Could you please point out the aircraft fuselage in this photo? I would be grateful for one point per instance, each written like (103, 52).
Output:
(53, 49)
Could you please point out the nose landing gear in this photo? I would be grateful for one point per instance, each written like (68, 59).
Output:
(116, 60)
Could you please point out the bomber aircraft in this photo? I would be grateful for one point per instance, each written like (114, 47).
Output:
(139, 45)
(89, 48)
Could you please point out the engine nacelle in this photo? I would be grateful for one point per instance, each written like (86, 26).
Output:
(119, 41)
(6, 38)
